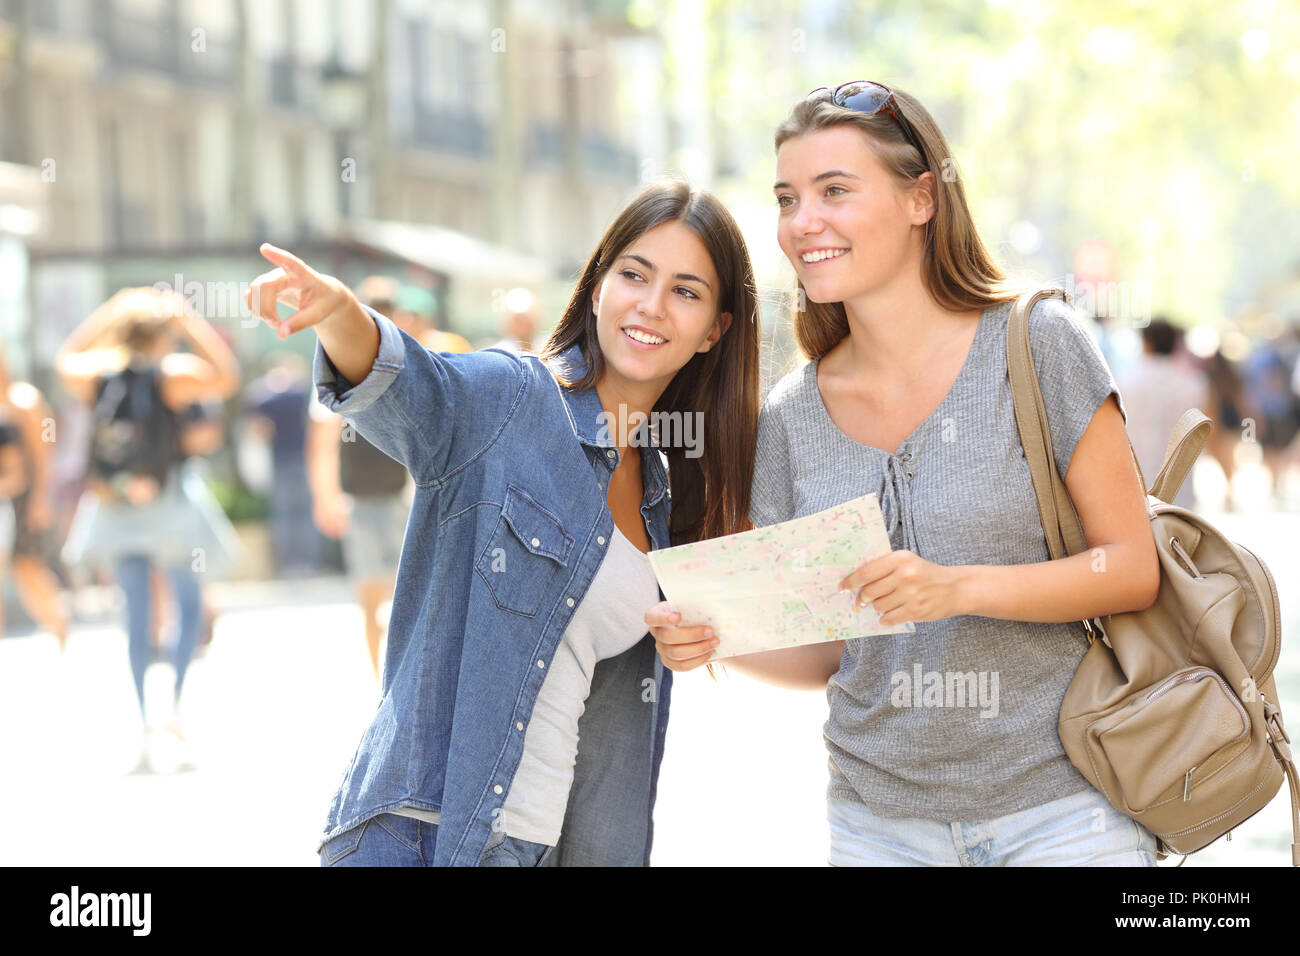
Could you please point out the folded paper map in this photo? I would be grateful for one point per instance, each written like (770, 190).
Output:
(777, 586)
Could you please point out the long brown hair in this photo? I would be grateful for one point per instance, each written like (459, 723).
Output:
(958, 271)
(710, 494)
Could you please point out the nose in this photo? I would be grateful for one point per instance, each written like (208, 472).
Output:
(651, 305)
(807, 220)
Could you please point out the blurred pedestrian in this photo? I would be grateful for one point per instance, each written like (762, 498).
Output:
(358, 492)
(202, 433)
(519, 326)
(277, 407)
(13, 480)
(1227, 402)
(1157, 388)
(23, 406)
(1267, 374)
(415, 314)
(125, 361)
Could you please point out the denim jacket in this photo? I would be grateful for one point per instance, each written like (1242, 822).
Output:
(508, 526)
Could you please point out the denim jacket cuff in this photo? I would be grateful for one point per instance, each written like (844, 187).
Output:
(334, 391)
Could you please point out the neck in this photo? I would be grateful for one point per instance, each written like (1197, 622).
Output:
(627, 405)
(895, 329)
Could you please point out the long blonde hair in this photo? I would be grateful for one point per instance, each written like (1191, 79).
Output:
(957, 269)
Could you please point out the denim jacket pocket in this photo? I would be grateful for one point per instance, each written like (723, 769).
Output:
(528, 548)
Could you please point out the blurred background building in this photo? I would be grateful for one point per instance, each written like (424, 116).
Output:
(156, 138)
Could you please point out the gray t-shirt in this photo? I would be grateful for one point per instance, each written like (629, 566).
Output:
(956, 721)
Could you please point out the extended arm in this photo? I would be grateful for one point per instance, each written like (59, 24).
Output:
(412, 404)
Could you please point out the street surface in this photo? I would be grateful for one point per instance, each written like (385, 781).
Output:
(274, 709)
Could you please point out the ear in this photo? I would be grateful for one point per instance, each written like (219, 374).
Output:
(720, 326)
(924, 202)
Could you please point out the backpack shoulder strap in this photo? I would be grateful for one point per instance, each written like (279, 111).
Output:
(1060, 524)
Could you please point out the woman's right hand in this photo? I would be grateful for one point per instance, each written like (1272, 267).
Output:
(317, 297)
(680, 648)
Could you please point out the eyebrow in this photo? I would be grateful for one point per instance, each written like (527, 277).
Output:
(651, 266)
(832, 174)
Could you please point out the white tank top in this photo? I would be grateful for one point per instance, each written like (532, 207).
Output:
(610, 619)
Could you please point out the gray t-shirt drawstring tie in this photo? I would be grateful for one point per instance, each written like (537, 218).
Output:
(896, 500)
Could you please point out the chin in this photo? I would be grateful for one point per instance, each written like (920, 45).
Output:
(821, 294)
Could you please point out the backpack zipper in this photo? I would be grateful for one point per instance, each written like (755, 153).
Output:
(1201, 673)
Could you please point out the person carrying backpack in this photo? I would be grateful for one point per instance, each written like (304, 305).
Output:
(123, 361)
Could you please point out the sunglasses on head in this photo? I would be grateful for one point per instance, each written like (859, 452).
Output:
(870, 97)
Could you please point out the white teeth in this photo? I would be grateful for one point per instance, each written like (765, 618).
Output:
(644, 337)
(821, 254)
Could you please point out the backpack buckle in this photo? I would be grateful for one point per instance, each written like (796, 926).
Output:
(1094, 630)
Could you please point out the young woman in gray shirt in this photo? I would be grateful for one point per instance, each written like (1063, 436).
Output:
(906, 394)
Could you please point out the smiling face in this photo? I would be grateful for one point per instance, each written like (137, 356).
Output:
(656, 307)
(846, 224)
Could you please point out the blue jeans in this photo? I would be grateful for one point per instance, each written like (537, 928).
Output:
(1082, 829)
(392, 840)
(294, 538)
(133, 576)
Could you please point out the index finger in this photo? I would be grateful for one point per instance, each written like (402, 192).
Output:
(873, 570)
(285, 259)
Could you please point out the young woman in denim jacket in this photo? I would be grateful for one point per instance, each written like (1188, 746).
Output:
(523, 706)
(906, 395)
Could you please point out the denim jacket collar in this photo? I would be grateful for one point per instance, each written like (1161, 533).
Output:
(586, 416)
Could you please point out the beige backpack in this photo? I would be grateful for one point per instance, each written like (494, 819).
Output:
(1173, 714)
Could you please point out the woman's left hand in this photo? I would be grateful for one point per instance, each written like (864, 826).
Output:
(903, 587)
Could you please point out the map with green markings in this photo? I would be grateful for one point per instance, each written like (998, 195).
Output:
(776, 586)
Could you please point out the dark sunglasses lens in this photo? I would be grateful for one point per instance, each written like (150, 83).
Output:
(863, 97)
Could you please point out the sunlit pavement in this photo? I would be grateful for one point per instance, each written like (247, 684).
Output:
(274, 709)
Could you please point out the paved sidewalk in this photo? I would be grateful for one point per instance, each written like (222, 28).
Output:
(275, 708)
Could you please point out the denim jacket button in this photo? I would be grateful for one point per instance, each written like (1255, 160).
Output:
(536, 542)
(569, 601)
(497, 789)
(519, 725)
(541, 663)
(600, 539)
(610, 454)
